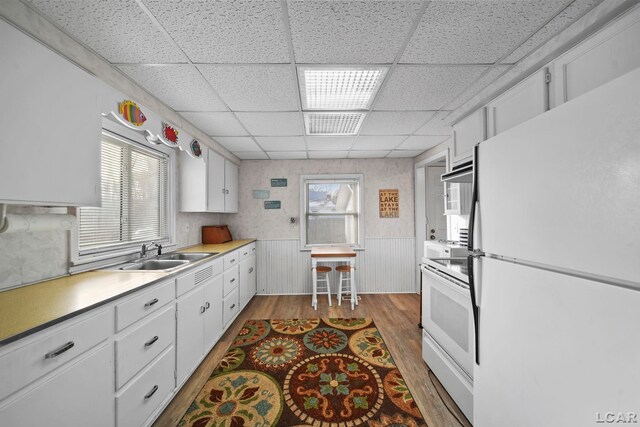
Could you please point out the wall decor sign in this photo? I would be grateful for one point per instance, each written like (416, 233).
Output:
(389, 203)
(272, 204)
(130, 111)
(261, 194)
(278, 182)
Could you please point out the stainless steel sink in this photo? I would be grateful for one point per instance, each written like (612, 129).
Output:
(187, 256)
(153, 264)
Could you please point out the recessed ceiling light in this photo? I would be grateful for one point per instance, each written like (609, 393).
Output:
(339, 88)
(333, 123)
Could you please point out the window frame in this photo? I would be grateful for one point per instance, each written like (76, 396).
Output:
(85, 261)
(304, 211)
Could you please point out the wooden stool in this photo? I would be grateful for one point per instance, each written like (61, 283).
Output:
(321, 269)
(345, 275)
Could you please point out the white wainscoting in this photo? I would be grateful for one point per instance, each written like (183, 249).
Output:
(385, 266)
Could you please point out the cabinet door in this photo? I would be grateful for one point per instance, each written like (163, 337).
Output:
(522, 102)
(606, 55)
(467, 133)
(215, 182)
(79, 395)
(231, 186)
(193, 183)
(247, 280)
(213, 314)
(51, 126)
(190, 333)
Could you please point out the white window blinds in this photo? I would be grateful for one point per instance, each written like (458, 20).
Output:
(134, 199)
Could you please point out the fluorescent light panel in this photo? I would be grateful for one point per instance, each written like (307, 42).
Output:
(333, 123)
(339, 88)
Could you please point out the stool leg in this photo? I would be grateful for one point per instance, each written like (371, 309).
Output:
(314, 296)
(340, 289)
(328, 289)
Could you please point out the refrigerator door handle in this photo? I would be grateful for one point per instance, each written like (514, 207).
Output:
(474, 253)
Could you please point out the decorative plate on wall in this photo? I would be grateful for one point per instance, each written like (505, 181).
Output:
(169, 135)
(130, 112)
(196, 150)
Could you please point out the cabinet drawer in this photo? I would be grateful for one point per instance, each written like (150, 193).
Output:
(231, 259)
(192, 279)
(137, 348)
(143, 396)
(230, 306)
(231, 279)
(146, 303)
(247, 250)
(30, 362)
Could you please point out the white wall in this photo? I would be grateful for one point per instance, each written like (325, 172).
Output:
(386, 264)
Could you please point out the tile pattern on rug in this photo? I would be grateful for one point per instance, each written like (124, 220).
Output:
(305, 372)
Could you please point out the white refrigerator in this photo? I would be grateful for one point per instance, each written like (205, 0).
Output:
(556, 230)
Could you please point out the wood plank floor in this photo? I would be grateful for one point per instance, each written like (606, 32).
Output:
(395, 315)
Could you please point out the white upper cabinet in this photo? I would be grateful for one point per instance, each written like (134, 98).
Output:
(608, 54)
(209, 186)
(467, 133)
(522, 102)
(51, 125)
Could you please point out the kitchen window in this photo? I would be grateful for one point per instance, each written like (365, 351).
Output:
(331, 210)
(135, 201)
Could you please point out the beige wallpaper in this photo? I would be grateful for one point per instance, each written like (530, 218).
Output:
(253, 221)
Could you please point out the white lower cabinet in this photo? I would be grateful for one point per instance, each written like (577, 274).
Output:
(248, 282)
(199, 325)
(230, 307)
(136, 402)
(80, 394)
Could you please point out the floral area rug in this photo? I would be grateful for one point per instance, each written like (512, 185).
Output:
(305, 372)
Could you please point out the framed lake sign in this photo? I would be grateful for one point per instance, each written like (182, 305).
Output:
(389, 203)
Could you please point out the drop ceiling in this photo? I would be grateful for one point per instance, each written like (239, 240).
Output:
(232, 67)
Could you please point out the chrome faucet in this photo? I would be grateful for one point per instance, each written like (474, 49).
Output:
(145, 248)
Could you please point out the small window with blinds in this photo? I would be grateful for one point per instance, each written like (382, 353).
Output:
(332, 210)
(134, 199)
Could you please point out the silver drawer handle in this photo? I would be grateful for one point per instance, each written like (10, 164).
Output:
(233, 260)
(207, 305)
(245, 253)
(202, 309)
(232, 280)
(151, 341)
(152, 392)
(231, 308)
(223, 191)
(150, 303)
(251, 270)
(58, 352)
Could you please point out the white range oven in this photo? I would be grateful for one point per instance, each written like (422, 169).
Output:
(447, 319)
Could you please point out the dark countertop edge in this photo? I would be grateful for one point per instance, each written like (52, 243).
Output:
(76, 313)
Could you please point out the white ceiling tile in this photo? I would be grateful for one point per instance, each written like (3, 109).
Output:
(425, 88)
(237, 143)
(119, 30)
(490, 75)
(330, 143)
(179, 86)
(438, 125)
(341, 32)
(287, 155)
(272, 124)
(254, 88)
(405, 154)
(471, 32)
(328, 154)
(422, 142)
(251, 155)
(386, 142)
(215, 124)
(368, 154)
(281, 143)
(394, 122)
(240, 31)
(562, 20)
